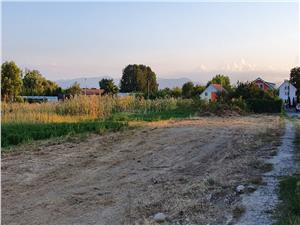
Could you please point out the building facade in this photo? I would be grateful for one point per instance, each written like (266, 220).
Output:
(287, 92)
(264, 85)
(211, 92)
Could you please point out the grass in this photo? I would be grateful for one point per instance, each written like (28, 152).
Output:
(297, 140)
(152, 116)
(17, 133)
(289, 193)
(81, 108)
(290, 196)
(23, 122)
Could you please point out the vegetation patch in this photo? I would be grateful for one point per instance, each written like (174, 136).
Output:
(289, 194)
(265, 105)
(16, 133)
(297, 140)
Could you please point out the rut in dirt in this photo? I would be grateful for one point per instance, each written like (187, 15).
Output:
(260, 205)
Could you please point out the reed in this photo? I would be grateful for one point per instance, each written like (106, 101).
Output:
(82, 108)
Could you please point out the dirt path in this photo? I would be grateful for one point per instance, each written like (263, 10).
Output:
(260, 205)
(187, 169)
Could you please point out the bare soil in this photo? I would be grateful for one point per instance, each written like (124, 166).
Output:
(187, 169)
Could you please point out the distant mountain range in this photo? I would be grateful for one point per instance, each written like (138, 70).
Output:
(91, 82)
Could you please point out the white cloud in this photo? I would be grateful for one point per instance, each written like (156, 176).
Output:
(239, 66)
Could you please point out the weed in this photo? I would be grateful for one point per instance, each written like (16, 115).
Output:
(16, 133)
(289, 194)
(238, 211)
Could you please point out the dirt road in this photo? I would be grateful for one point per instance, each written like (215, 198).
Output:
(186, 169)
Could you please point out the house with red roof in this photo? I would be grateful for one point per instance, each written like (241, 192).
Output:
(212, 92)
(91, 91)
(264, 85)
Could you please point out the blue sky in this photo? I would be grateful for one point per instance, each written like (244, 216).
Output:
(194, 40)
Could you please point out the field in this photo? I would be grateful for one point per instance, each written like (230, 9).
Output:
(23, 123)
(186, 168)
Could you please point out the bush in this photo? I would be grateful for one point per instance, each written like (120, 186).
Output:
(19, 99)
(264, 105)
(239, 103)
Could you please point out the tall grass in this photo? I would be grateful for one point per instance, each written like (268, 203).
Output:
(82, 108)
(22, 122)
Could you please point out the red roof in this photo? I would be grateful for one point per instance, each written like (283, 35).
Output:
(219, 87)
(91, 91)
(268, 84)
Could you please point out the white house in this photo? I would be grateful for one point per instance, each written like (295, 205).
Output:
(211, 92)
(287, 92)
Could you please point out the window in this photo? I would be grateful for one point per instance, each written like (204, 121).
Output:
(205, 93)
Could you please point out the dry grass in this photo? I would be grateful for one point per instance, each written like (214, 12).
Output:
(84, 108)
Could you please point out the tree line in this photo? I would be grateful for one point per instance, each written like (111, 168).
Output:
(14, 83)
(136, 78)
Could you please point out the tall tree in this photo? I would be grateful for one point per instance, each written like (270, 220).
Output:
(51, 88)
(74, 89)
(295, 79)
(138, 78)
(187, 89)
(108, 86)
(176, 92)
(198, 89)
(252, 91)
(221, 79)
(11, 81)
(34, 83)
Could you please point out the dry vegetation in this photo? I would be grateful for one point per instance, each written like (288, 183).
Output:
(26, 122)
(188, 169)
(85, 108)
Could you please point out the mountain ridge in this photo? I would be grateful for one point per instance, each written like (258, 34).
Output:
(93, 82)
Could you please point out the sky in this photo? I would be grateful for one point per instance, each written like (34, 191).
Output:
(195, 40)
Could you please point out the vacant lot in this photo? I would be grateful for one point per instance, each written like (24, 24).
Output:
(188, 169)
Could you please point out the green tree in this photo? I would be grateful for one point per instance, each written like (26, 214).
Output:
(51, 88)
(11, 81)
(176, 92)
(187, 89)
(252, 91)
(198, 89)
(108, 86)
(35, 84)
(221, 79)
(74, 89)
(163, 93)
(295, 79)
(138, 78)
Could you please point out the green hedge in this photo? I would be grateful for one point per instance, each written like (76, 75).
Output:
(265, 106)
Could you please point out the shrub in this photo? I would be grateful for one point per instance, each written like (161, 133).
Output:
(264, 105)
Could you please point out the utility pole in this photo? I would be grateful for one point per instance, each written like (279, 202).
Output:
(85, 86)
(148, 86)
